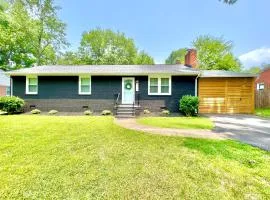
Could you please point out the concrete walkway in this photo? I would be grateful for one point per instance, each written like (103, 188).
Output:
(194, 133)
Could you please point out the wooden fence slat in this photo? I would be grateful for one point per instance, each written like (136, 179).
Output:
(262, 97)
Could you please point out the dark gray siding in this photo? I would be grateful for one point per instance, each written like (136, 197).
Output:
(103, 88)
(66, 87)
(181, 85)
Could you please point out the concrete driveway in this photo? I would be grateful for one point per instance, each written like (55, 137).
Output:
(246, 128)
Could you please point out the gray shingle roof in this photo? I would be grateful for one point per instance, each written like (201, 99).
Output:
(222, 73)
(4, 79)
(124, 70)
(107, 70)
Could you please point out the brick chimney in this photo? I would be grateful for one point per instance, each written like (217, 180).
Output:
(191, 58)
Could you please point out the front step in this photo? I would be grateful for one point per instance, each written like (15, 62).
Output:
(125, 111)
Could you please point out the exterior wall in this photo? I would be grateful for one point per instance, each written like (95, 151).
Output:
(3, 90)
(61, 93)
(181, 85)
(264, 77)
(226, 95)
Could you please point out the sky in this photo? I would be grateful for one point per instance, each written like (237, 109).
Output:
(161, 26)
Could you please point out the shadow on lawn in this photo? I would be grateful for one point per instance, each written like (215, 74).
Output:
(228, 149)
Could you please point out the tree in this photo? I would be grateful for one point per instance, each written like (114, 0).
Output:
(107, 47)
(176, 56)
(69, 58)
(215, 53)
(49, 33)
(33, 34)
(143, 59)
(254, 70)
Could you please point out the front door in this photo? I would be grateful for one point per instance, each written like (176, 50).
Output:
(128, 90)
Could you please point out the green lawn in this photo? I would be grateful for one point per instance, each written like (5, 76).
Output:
(177, 122)
(80, 157)
(263, 112)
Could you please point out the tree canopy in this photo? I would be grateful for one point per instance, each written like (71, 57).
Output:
(30, 33)
(229, 1)
(216, 54)
(176, 56)
(104, 46)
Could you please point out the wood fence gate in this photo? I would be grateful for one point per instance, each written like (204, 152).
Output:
(262, 97)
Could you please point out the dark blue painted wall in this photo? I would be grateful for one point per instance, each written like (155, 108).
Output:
(66, 87)
(181, 85)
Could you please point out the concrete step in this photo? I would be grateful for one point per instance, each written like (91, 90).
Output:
(125, 116)
(125, 113)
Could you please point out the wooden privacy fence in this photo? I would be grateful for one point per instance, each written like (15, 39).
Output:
(262, 97)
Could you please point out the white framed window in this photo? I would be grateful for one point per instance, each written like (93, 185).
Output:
(31, 85)
(85, 85)
(159, 85)
(260, 86)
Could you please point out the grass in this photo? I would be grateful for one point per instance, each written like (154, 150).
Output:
(82, 157)
(263, 112)
(177, 122)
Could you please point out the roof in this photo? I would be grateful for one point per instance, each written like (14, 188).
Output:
(106, 70)
(115, 70)
(223, 73)
(4, 79)
(264, 77)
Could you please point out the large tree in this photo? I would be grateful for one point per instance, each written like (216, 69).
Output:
(216, 53)
(104, 46)
(177, 56)
(33, 33)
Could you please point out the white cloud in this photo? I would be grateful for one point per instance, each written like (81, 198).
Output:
(255, 57)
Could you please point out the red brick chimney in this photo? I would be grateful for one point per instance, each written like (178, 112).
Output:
(191, 58)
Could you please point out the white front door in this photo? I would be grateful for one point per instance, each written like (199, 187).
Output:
(128, 90)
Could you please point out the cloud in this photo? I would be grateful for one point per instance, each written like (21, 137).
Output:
(255, 58)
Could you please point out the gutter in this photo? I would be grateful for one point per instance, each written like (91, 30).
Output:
(196, 84)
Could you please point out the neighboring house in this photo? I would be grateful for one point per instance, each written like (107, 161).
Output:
(4, 84)
(127, 88)
(263, 80)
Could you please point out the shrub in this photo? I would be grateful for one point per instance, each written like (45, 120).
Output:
(35, 111)
(88, 112)
(53, 112)
(106, 112)
(3, 112)
(188, 105)
(146, 111)
(11, 104)
(165, 112)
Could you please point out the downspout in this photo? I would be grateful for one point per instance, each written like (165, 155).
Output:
(196, 84)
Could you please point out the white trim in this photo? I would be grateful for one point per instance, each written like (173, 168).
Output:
(196, 86)
(123, 88)
(27, 85)
(90, 86)
(159, 77)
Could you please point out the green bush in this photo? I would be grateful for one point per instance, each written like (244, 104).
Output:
(88, 112)
(106, 112)
(146, 111)
(11, 104)
(53, 112)
(165, 112)
(35, 111)
(188, 105)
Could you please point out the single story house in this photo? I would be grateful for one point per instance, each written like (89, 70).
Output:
(263, 80)
(130, 88)
(4, 84)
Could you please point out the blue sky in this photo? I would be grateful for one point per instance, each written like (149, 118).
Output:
(160, 26)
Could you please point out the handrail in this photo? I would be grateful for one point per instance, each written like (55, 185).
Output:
(117, 99)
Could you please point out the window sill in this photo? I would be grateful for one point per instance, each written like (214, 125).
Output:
(83, 94)
(31, 93)
(159, 94)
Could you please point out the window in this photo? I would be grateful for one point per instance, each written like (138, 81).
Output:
(85, 85)
(159, 86)
(31, 85)
(260, 86)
